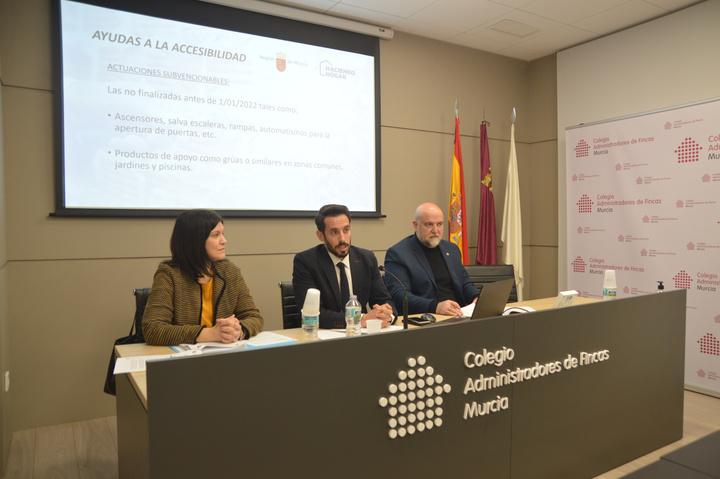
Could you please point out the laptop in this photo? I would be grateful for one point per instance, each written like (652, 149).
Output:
(491, 302)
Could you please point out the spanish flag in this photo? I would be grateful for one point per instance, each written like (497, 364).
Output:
(457, 230)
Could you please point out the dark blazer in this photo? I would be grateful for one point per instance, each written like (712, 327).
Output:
(313, 268)
(407, 261)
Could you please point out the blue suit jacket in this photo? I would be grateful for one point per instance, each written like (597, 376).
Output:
(313, 268)
(407, 261)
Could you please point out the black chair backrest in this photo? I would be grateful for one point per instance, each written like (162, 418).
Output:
(482, 273)
(141, 297)
(291, 315)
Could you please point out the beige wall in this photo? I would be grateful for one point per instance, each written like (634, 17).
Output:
(539, 170)
(5, 431)
(70, 279)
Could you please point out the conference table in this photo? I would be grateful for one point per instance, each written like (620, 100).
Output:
(139, 379)
(569, 392)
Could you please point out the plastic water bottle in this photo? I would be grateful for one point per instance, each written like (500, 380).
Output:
(311, 315)
(353, 312)
(609, 285)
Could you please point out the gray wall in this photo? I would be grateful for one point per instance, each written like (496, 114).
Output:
(65, 283)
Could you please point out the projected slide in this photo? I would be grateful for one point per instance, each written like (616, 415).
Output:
(160, 114)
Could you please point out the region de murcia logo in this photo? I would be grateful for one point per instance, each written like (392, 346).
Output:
(582, 149)
(414, 403)
(281, 61)
(688, 151)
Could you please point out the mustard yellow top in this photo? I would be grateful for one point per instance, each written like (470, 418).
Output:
(206, 318)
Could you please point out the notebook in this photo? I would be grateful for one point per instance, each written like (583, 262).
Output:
(491, 302)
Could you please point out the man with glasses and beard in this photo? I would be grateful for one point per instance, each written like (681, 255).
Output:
(430, 268)
(340, 270)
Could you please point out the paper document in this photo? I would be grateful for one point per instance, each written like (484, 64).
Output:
(517, 309)
(331, 333)
(138, 364)
(509, 309)
(266, 338)
(209, 346)
(340, 333)
(468, 310)
(135, 364)
(132, 364)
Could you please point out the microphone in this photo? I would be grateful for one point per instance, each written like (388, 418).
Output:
(405, 298)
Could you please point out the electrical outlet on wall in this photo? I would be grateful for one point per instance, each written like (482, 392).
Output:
(7, 381)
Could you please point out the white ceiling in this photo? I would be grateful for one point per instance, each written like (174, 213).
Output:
(522, 29)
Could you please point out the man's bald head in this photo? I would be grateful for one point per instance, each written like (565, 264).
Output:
(428, 224)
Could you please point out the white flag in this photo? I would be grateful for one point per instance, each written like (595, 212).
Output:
(511, 234)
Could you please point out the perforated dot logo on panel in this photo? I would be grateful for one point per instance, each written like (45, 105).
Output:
(688, 151)
(682, 280)
(585, 204)
(582, 149)
(709, 344)
(414, 403)
(579, 265)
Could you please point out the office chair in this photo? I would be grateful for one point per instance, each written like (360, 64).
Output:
(141, 297)
(291, 315)
(482, 273)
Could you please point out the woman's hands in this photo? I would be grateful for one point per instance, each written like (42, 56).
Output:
(226, 330)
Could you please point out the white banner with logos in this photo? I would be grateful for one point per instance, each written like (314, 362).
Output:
(643, 198)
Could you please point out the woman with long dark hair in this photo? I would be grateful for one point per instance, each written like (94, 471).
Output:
(198, 295)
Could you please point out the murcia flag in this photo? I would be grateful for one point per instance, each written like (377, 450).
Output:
(487, 234)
